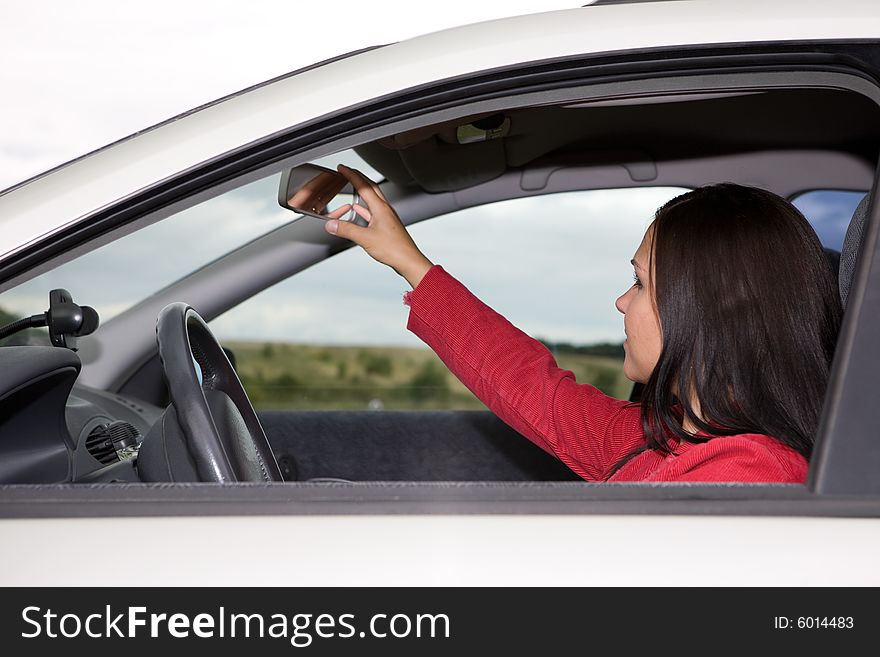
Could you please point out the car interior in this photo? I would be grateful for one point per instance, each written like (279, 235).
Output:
(128, 405)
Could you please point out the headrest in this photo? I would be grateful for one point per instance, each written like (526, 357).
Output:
(851, 244)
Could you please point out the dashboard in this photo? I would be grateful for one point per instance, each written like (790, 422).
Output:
(53, 430)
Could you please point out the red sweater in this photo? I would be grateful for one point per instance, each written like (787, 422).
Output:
(517, 377)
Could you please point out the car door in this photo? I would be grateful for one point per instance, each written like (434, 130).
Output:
(474, 533)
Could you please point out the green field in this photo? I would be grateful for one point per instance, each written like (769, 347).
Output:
(295, 376)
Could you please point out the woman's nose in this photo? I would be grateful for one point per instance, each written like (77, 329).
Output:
(623, 301)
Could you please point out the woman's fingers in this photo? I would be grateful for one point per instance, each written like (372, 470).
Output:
(347, 230)
(363, 212)
(340, 211)
(378, 190)
(366, 188)
(385, 238)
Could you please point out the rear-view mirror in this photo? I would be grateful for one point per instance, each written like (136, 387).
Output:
(315, 191)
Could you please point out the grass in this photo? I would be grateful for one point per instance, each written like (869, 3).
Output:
(280, 375)
(299, 376)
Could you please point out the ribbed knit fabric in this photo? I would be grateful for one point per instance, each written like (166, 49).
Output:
(517, 378)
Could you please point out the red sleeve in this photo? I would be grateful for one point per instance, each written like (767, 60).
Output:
(517, 378)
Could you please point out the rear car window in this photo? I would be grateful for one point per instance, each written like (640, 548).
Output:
(829, 212)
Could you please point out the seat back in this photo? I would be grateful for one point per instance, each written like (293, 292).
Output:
(852, 243)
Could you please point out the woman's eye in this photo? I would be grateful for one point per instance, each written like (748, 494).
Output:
(636, 282)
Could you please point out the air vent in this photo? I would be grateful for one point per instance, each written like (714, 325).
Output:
(109, 443)
(100, 446)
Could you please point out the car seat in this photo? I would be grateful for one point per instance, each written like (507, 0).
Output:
(852, 243)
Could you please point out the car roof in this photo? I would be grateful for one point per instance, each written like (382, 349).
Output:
(70, 193)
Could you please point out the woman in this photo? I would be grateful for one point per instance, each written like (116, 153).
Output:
(731, 325)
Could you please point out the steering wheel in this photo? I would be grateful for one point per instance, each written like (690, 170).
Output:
(210, 431)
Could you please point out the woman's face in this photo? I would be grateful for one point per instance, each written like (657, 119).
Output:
(640, 321)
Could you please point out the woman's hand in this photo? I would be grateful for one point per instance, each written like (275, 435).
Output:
(385, 238)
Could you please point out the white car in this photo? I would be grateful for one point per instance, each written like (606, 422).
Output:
(538, 148)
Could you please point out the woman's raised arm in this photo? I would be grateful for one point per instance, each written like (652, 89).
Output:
(515, 375)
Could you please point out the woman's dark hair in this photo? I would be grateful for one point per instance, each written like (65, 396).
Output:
(749, 314)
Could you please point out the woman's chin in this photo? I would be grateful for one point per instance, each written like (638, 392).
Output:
(635, 377)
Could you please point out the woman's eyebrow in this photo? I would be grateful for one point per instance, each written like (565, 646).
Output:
(636, 265)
